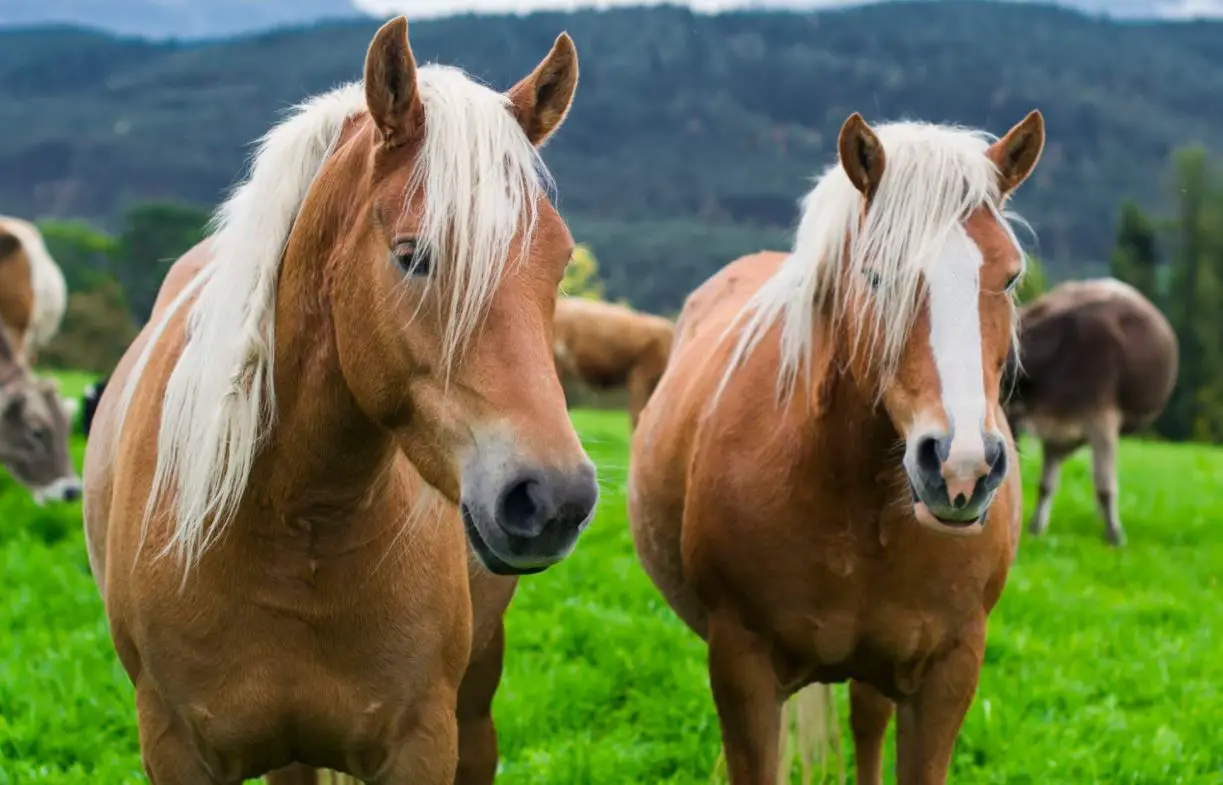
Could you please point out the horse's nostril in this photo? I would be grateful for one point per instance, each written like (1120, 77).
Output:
(521, 510)
(928, 457)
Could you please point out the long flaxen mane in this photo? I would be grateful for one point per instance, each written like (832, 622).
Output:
(482, 180)
(934, 177)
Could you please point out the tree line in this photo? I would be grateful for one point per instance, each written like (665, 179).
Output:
(1175, 260)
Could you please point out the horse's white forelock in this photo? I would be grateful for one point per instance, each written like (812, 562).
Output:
(934, 177)
(481, 175)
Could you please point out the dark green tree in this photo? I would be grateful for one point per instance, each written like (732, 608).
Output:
(154, 235)
(1135, 258)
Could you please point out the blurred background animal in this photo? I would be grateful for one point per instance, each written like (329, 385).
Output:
(606, 345)
(89, 403)
(1097, 361)
(33, 294)
(34, 430)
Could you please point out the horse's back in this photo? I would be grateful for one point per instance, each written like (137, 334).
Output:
(663, 443)
(1098, 344)
(102, 447)
(34, 281)
(602, 341)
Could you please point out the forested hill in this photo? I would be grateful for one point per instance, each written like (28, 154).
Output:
(692, 136)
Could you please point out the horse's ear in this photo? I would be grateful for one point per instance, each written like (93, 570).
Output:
(8, 354)
(390, 82)
(1016, 154)
(8, 244)
(861, 155)
(542, 99)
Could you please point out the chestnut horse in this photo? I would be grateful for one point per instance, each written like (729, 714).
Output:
(33, 293)
(606, 345)
(832, 495)
(344, 386)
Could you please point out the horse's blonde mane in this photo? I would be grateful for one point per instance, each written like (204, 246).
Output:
(934, 177)
(481, 176)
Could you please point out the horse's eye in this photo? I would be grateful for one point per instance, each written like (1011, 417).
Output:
(39, 433)
(413, 259)
(1012, 282)
(873, 279)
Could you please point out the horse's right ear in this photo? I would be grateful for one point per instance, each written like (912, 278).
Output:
(861, 155)
(8, 244)
(391, 92)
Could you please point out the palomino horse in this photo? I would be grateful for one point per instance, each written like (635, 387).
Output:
(34, 430)
(345, 385)
(606, 346)
(1097, 360)
(33, 294)
(830, 495)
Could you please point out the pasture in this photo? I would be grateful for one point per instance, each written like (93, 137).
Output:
(1103, 666)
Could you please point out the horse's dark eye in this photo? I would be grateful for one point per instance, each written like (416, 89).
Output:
(413, 259)
(1011, 282)
(873, 279)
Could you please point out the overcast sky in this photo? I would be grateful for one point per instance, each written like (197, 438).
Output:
(419, 8)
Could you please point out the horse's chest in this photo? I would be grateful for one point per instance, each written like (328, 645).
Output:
(841, 609)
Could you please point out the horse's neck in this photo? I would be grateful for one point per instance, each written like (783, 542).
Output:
(325, 456)
(847, 421)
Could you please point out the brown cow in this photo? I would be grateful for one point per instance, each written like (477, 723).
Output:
(1098, 360)
(605, 346)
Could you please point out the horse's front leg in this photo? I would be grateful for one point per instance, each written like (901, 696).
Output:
(429, 752)
(745, 692)
(928, 723)
(166, 747)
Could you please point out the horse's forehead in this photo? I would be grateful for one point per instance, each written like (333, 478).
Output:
(985, 230)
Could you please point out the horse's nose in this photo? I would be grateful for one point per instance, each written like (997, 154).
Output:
(967, 475)
(536, 501)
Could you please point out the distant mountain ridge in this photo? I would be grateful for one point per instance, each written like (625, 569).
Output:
(692, 136)
(203, 19)
(185, 19)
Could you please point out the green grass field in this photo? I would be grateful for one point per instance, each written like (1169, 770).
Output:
(1103, 666)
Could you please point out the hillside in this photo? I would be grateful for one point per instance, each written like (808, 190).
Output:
(174, 18)
(692, 135)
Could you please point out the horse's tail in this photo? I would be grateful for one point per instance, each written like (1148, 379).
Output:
(300, 775)
(810, 734)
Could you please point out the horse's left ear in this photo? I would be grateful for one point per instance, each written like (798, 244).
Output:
(541, 100)
(1016, 154)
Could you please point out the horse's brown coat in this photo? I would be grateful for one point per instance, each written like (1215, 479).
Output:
(786, 537)
(606, 345)
(339, 623)
(1098, 360)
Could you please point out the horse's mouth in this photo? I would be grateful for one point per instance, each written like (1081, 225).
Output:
(959, 527)
(491, 561)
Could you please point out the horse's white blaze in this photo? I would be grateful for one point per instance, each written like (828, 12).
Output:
(954, 284)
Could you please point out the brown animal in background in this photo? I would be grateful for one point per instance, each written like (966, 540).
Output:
(33, 294)
(344, 393)
(824, 486)
(1098, 361)
(606, 346)
(34, 430)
